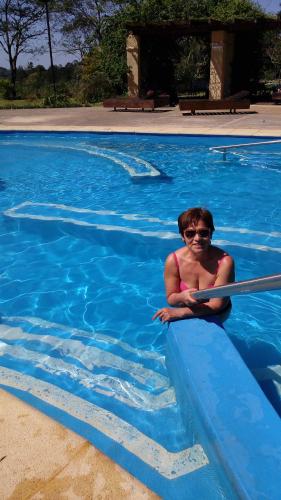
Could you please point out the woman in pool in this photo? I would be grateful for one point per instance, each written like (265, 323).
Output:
(195, 266)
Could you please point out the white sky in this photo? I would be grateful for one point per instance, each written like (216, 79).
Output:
(60, 57)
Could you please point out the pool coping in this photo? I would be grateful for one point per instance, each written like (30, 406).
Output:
(145, 132)
(240, 429)
(212, 131)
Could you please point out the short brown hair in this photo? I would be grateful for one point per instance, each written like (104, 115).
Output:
(192, 216)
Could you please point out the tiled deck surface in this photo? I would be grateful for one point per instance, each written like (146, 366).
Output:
(39, 459)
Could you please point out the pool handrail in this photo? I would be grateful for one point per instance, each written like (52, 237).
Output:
(262, 284)
(249, 144)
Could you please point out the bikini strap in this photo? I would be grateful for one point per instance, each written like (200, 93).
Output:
(176, 261)
(220, 261)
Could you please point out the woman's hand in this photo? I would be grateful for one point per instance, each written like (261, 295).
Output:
(168, 314)
(187, 299)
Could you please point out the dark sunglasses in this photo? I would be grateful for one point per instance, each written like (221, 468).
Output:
(190, 233)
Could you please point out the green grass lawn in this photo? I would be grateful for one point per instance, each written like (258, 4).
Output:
(37, 103)
(20, 103)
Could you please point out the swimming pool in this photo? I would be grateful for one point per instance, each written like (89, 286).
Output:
(87, 220)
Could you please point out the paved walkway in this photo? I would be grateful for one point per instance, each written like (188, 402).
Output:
(260, 120)
(39, 459)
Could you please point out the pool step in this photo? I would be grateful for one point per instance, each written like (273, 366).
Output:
(87, 366)
(272, 372)
(106, 220)
(66, 373)
(136, 167)
(142, 225)
(168, 464)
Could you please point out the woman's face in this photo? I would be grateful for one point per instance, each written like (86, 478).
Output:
(197, 237)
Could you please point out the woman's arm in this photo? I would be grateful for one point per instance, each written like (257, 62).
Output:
(226, 275)
(172, 284)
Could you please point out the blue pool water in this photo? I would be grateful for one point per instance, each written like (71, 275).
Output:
(86, 223)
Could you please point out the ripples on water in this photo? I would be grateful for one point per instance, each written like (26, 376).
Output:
(83, 248)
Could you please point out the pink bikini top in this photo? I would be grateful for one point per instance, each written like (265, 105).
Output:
(183, 285)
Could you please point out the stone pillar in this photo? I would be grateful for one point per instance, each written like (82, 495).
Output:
(222, 46)
(133, 63)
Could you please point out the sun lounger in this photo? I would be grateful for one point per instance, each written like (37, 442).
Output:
(129, 103)
(162, 100)
(276, 97)
(232, 103)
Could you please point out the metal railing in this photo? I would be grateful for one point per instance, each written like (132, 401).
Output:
(262, 284)
(224, 149)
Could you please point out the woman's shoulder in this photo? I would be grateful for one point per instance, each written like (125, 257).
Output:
(178, 253)
(225, 264)
(221, 255)
(174, 257)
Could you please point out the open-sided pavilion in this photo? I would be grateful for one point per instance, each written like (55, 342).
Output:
(223, 38)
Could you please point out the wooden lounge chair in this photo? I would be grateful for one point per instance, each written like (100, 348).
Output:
(162, 100)
(276, 97)
(234, 102)
(129, 103)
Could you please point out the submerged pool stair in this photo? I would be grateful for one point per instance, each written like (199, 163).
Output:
(97, 385)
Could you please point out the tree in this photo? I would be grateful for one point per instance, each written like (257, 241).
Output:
(227, 10)
(46, 6)
(19, 27)
(84, 23)
(46, 2)
(273, 52)
(192, 67)
(32, 81)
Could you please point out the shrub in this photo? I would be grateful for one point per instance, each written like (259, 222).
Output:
(56, 100)
(6, 89)
(95, 89)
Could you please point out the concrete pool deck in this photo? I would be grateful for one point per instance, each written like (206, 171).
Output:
(261, 120)
(39, 458)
